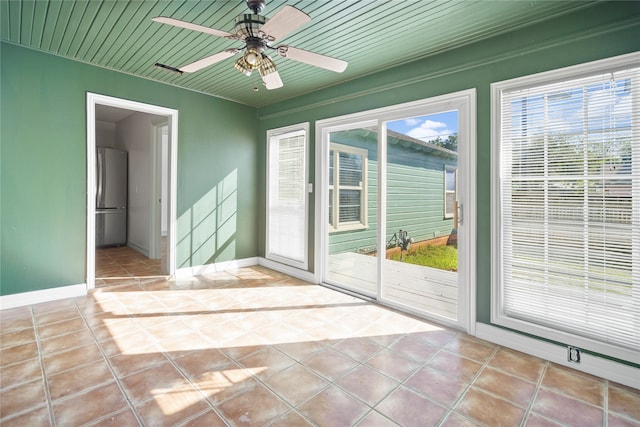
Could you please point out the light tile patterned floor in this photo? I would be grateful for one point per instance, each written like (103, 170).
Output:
(254, 347)
(114, 264)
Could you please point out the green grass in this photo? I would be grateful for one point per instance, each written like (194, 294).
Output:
(443, 257)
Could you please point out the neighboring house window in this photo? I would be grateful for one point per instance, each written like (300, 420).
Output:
(567, 198)
(347, 187)
(450, 175)
(287, 195)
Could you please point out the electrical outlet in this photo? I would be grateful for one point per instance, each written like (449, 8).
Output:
(573, 354)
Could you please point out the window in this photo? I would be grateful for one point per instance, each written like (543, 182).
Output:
(347, 187)
(567, 199)
(450, 175)
(287, 195)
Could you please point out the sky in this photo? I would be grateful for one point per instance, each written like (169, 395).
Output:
(429, 127)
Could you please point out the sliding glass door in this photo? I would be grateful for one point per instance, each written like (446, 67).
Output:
(394, 185)
(352, 217)
(421, 262)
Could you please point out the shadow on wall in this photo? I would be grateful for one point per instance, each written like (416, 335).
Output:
(207, 230)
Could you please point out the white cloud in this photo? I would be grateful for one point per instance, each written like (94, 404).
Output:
(430, 130)
(411, 122)
(570, 116)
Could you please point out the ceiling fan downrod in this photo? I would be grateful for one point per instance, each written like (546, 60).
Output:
(256, 5)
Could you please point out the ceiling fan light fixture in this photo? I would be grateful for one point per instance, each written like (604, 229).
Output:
(242, 66)
(269, 73)
(268, 66)
(253, 57)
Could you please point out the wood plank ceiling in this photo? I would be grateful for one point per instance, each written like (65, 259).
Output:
(370, 35)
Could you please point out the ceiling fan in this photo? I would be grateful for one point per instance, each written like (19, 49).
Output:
(258, 35)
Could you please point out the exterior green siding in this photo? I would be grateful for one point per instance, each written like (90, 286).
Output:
(415, 194)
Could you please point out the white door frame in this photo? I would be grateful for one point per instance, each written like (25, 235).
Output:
(94, 99)
(465, 102)
(155, 195)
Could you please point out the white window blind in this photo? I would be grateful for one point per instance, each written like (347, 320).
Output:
(569, 206)
(450, 187)
(287, 198)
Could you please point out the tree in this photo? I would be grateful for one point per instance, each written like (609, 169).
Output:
(451, 143)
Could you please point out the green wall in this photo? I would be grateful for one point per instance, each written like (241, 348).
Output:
(603, 30)
(43, 169)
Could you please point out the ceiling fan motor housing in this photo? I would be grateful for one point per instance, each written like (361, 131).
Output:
(248, 25)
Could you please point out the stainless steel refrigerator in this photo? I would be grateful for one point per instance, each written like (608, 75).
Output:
(111, 197)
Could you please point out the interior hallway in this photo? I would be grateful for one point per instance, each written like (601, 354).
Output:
(256, 347)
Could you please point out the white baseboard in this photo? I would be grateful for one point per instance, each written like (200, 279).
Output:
(186, 272)
(286, 269)
(44, 295)
(594, 365)
(138, 248)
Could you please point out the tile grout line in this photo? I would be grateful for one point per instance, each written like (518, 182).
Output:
(177, 367)
(185, 422)
(400, 383)
(292, 407)
(14, 386)
(109, 366)
(605, 404)
(154, 341)
(104, 417)
(420, 366)
(330, 382)
(45, 380)
(200, 392)
(450, 407)
(534, 396)
(468, 386)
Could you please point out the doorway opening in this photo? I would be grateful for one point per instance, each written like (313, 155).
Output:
(131, 185)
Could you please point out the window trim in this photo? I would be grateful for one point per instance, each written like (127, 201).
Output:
(350, 225)
(498, 316)
(302, 128)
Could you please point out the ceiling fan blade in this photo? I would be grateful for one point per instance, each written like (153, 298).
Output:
(209, 60)
(272, 80)
(312, 58)
(190, 26)
(284, 21)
